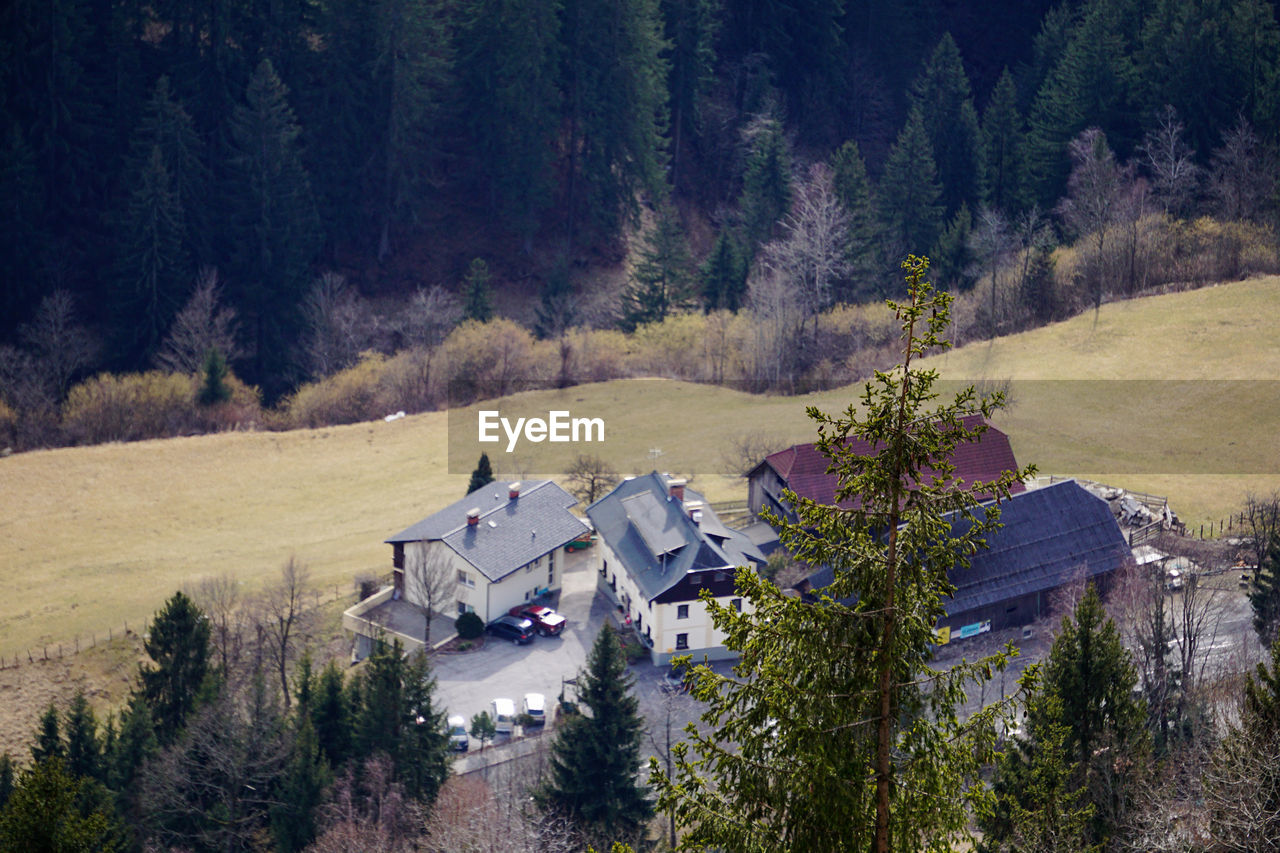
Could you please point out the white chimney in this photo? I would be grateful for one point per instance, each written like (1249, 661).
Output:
(513, 491)
(473, 516)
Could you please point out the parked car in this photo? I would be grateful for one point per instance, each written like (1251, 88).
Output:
(547, 622)
(673, 680)
(457, 727)
(513, 628)
(504, 715)
(535, 705)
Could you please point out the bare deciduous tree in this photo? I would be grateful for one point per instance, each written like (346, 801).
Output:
(285, 615)
(369, 811)
(431, 581)
(1175, 177)
(776, 317)
(1094, 191)
(813, 251)
(215, 785)
(1240, 174)
(589, 477)
(219, 597)
(1241, 787)
(746, 450)
(59, 346)
(992, 243)
(202, 324)
(476, 815)
(1262, 521)
(339, 326)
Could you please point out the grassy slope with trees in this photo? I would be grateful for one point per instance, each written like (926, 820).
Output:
(99, 534)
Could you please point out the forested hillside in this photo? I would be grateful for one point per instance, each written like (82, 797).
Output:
(266, 177)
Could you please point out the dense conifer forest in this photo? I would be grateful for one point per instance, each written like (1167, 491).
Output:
(247, 171)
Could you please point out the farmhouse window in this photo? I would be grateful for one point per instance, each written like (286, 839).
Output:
(682, 611)
(736, 604)
(682, 641)
(465, 579)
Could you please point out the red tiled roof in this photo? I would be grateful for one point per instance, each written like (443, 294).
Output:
(804, 469)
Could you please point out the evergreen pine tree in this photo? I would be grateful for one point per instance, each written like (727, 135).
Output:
(508, 60)
(166, 125)
(954, 255)
(302, 788)
(853, 188)
(331, 716)
(178, 645)
(1264, 594)
(909, 195)
(412, 67)
(84, 749)
(378, 720)
(1090, 85)
(21, 229)
(1092, 678)
(482, 475)
(6, 779)
(615, 101)
(826, 714)
(213, 387)
(942, 96)
(134, 745)
(424, 751)
(766, 182)
(594, 756)
(48, 737)
(274, 227)
(1037, 804)
(152, 267)
(691, 27)
(660, 281)
(479, 305)
(723, 275)
(1004, 136)
(47, 813)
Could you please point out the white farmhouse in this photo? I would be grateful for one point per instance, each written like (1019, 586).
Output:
(661, 545)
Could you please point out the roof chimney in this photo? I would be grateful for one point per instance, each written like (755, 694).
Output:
(675, 488)
(473, 516)
(694, 509)
(513, 490)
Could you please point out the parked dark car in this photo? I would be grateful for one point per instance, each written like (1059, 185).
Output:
(546, 621)
(513, 628)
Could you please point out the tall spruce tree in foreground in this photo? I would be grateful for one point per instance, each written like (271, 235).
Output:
(834, 732)
(594, 758)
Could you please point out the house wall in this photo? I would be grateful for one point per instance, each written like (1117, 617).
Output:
(658, 621)
(763, 484)
(488, 599)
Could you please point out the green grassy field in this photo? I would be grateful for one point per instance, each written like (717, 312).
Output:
(92, 537)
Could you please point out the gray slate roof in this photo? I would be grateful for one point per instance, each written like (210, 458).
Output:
(656, 540)
(511, 533)
(1050, 536)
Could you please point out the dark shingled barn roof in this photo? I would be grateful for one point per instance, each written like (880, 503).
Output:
(657, 541)
(804, 469)
(1050, 536)
(512, 532)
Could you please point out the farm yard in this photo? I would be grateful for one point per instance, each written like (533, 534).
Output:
(95, 537)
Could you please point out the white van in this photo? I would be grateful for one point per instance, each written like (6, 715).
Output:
(535, 705)
(504, 715)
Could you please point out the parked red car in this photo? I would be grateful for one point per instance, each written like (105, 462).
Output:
(547, 622)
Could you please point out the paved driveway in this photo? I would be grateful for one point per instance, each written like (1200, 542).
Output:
(469, 681)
